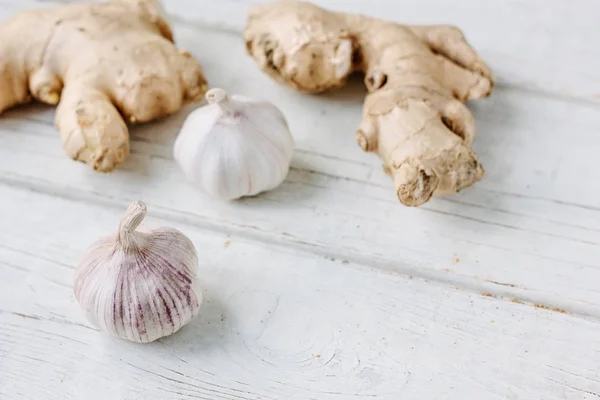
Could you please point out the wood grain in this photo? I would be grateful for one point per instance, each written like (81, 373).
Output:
(276, 324)
(327, 288)
(530, 225)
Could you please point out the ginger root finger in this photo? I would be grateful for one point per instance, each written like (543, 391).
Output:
(104, 64)
(457, 117)
(450, 42)
(417, 78)
(465, 84)
(192, 78)
(18, 61)
(45, 86)
(423, 144)
(432, 160)
(91, 128)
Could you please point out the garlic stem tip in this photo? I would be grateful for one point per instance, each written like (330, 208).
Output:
(133, 217)
(139, 205)
(217, 96)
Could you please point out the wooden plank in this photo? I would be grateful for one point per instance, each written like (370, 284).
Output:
(529, 230)
(538, 45)
(294, 307)
(276, 324)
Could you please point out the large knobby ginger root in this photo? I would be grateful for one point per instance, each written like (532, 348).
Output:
(417, 78)
(101, 63)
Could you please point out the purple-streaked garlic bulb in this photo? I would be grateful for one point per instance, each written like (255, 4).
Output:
(139, 286)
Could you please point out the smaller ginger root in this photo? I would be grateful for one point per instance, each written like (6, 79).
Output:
(417, 78)
(102, 64)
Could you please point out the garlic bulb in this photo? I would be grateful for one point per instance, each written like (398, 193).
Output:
(234, 146)
(139, 286)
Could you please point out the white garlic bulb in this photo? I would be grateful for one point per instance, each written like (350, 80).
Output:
(139, 286)
(234, 146)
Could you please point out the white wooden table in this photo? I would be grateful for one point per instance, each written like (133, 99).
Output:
(327, 288)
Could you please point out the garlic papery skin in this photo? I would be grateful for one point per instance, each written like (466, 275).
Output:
(139, 286)
(234, 146)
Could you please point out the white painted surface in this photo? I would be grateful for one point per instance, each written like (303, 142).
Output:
(330, 289)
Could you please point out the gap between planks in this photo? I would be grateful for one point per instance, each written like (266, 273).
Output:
(486, 288)
(27, 114)
(290, 241)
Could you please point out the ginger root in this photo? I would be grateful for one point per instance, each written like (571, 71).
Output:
(417, 78)
(101, 63)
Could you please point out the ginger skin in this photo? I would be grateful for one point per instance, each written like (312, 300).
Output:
(417, 78)
(100, 63)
